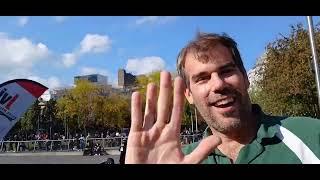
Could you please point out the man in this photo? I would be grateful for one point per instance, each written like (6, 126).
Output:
(238, 132)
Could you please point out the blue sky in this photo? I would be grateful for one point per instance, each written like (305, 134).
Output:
(54, 49)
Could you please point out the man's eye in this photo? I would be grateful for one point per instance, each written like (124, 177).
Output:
(226, 71)
(202, 79)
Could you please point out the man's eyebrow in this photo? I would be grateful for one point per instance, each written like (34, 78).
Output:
(204, 73)
(196, 76)
(228, 65)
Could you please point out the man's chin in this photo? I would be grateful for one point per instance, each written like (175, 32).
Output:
(227, 128)
(225, 120)
(231, 114)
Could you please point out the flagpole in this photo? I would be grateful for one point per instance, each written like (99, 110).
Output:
(314, 54)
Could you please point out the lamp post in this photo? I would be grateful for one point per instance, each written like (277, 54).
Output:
(42, 105)
(50, 132)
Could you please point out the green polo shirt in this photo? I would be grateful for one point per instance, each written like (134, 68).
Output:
(284, 140)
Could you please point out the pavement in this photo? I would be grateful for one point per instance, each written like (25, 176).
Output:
(55, 158)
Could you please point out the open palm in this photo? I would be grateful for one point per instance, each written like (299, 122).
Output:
(155, 138)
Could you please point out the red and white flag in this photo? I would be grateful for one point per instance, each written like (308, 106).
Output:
(16, 96)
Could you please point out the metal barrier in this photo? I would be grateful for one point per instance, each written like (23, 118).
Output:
(75, 144)
(188, 139)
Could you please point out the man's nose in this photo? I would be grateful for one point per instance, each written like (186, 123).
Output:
(217, 83)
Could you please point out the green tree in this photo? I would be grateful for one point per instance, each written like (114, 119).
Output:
(288, 84)
(48, 119)
(144, 80)
(76, 108)
(28, 121)
(113, 111)
(154, 77)
(89, 107)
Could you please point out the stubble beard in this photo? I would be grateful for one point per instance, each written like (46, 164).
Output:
(228, 122)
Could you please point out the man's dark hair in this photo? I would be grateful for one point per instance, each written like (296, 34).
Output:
(202, 47)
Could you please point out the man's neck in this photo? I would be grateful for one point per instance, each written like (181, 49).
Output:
(233, 142)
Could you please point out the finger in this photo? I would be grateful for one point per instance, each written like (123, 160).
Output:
(150, 112)
(136, 112)
(178, 105)
(205, 147)
(164, 99)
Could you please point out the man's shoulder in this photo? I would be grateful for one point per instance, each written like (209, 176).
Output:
(301, 123)
(293, 122)
(307, 129)
(300, 134)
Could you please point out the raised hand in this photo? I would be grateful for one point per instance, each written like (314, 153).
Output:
(155, 137)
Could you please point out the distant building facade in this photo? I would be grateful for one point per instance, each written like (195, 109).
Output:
(93, 78)
(126, 80)
(58, 93)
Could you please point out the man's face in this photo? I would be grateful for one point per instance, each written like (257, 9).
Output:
(218, 89)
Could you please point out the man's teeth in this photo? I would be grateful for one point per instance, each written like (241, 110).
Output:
(224, 101)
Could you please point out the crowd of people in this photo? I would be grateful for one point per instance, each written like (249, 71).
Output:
(59, 141)
(91, 143)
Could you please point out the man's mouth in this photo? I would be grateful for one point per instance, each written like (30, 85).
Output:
(225, 102)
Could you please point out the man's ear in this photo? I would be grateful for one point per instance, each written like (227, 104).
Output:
(188, 95)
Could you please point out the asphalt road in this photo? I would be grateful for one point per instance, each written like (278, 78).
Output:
(47, 158)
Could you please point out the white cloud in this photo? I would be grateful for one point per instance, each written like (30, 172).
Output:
(91, 70)
(60, 19)
(145, 65)
(91, 43)
(18, 73)
(147, 19)
(95, 43)
(52, 82)
(69, 59)
(21, 73)
(155, 20)
(3, 35)
(20, 53)
(22, 21)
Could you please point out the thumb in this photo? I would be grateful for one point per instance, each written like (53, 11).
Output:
(205, 147)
